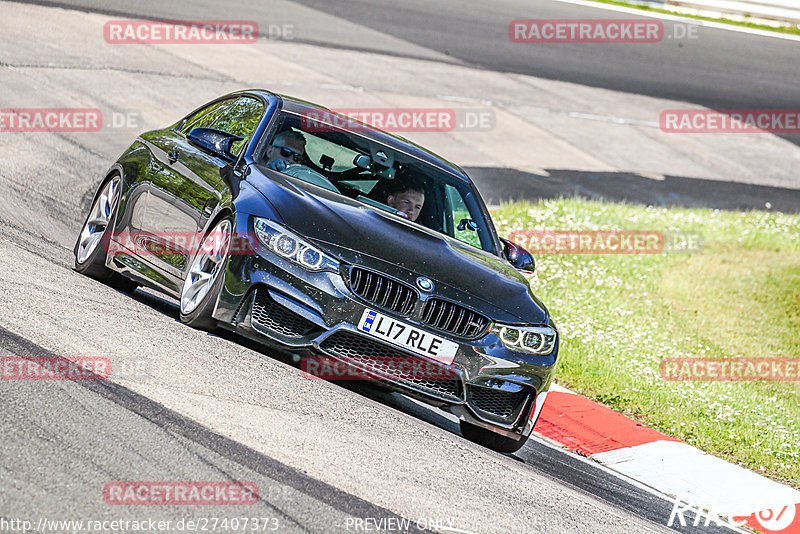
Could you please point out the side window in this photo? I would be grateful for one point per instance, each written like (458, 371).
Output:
(204, 117)
(463, 227)
(240, 118)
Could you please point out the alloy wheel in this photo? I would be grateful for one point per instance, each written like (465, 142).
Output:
(206, 267)
(99, 218)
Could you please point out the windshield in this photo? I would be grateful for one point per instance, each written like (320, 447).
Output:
(367, 171)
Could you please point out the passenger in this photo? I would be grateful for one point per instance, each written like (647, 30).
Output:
(407, 197)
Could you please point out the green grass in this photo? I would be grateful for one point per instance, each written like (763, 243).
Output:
(619, 315)
(793, 30)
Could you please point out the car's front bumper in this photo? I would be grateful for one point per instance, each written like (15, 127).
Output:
(278, 303)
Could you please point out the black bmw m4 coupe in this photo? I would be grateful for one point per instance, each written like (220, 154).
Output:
(350, 247)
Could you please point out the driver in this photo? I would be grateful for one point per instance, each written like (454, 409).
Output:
(407, 197)
(287, 147)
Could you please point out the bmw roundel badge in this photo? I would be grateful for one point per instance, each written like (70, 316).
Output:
(424, 284)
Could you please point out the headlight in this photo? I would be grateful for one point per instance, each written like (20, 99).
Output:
(533, 339)
(292, 247)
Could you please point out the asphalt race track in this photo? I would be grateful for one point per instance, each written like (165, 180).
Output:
(327, 457)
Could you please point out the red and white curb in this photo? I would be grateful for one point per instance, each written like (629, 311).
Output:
(703, 486)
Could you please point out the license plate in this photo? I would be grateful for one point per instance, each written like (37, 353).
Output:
(409, 337)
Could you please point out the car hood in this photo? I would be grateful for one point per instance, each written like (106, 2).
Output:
(362, 235)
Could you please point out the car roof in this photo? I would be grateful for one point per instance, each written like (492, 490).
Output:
(301, 107)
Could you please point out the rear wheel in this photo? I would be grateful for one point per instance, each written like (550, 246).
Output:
(92, 245)
(204, 279)
(489, 439)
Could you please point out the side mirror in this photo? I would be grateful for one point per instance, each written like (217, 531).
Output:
(521, 259)
(214, 141)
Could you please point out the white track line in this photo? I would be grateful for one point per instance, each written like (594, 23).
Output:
(687, 20)
(701, 479)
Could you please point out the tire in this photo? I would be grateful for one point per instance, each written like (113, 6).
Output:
(489, 439)
(204, 280)
(92, 243)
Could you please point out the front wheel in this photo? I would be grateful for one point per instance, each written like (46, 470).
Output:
(204, 279)
(489, 439)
